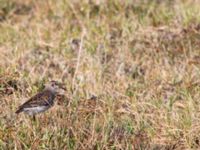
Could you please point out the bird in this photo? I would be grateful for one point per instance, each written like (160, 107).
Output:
(41, 101)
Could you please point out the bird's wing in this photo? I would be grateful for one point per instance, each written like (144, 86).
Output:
(41, 99)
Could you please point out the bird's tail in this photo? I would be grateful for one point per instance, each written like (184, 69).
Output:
(19, 111)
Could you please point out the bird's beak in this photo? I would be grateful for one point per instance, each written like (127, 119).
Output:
(62, 89)
(61, 92)
(62, 86)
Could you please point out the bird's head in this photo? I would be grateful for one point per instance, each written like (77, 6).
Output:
(55, 87)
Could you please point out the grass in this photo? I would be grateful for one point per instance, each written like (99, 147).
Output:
(131, 70)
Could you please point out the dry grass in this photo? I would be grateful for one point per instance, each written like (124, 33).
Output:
(131, 70)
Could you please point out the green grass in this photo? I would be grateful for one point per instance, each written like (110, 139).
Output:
(140, 58)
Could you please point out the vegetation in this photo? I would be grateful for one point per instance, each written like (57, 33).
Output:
(131, 70)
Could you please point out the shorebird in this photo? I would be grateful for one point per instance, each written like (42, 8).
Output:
(41, 101)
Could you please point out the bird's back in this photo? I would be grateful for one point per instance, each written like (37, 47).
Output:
(43, 99)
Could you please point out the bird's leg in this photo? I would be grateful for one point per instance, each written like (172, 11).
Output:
(34, 119)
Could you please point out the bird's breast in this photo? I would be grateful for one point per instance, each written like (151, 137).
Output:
(35, 110)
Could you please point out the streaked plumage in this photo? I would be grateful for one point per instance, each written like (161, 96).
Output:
(41, 101)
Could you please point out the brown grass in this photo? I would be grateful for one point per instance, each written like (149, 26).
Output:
(131, 70)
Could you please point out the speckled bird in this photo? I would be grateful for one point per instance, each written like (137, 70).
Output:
(41, 101)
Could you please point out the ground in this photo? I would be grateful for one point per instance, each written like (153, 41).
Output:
(131, 71)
